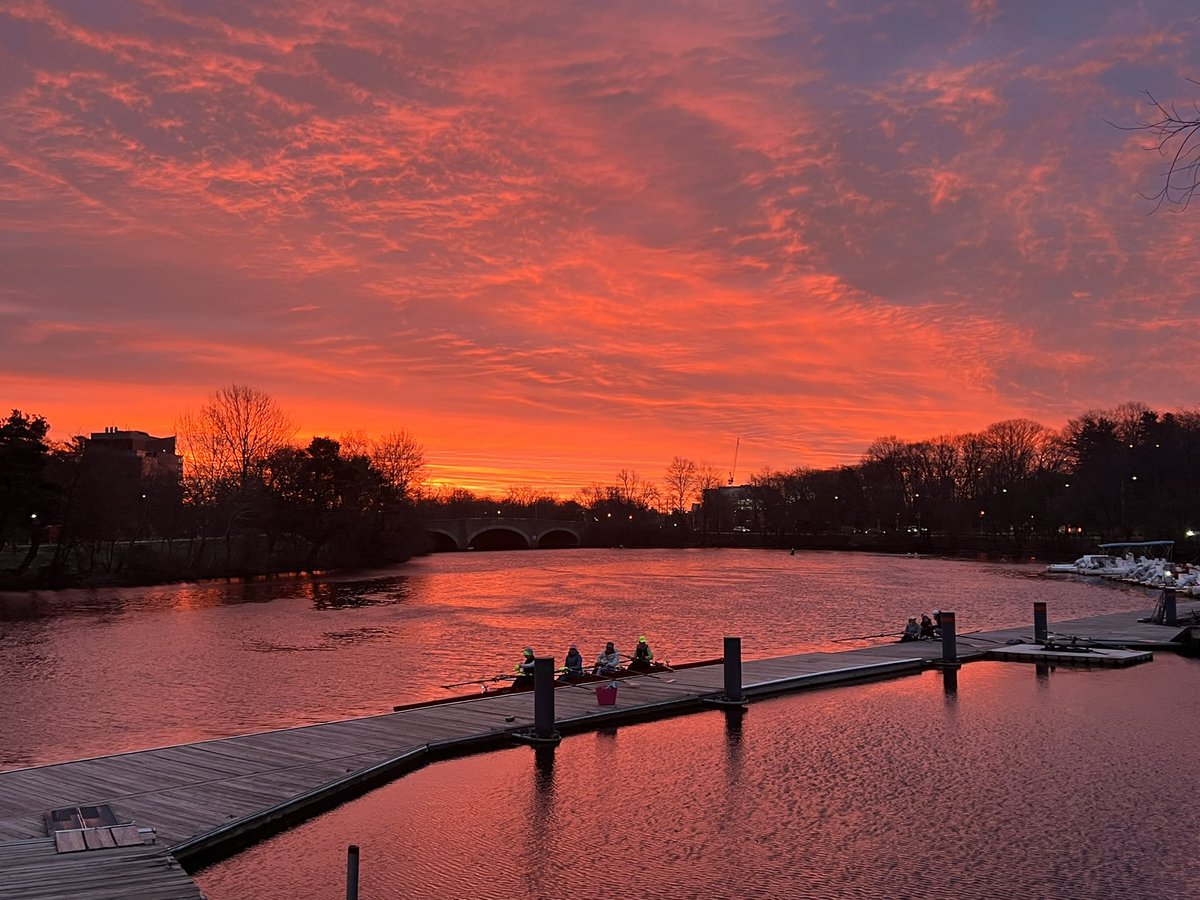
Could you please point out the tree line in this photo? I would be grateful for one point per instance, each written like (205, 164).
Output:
(249, 499)
(1126, 473)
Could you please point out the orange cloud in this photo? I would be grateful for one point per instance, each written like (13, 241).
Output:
(564, 241)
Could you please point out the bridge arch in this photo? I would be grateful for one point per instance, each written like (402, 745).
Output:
(502, 533)
(498, 537)
(557, 539)
(442, 541)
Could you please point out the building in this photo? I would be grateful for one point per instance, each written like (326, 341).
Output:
(156, 455)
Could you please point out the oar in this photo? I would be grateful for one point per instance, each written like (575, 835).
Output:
(478, 681)
(651, 674)
(652, 662)
(974, 635)
(867, 637)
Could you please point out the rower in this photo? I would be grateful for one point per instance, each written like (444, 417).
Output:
(912, 631)
(524, 669)
(608, 662)
(643, 657)
(927, 631)
(573, 663)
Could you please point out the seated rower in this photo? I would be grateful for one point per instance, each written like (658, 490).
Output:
(912, 631)
(927, 630)
(608, 662)
(573, 663)
(643, 657)
(524, 669)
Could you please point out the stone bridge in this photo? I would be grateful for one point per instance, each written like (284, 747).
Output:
(503, 533)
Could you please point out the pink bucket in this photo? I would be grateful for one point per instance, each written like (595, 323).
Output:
(606, 695)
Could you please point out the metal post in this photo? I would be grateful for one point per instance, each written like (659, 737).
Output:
(543, 697)
(733, 669)
(352, 872)
(1169, 617)
(949, 650)
(1040, 626)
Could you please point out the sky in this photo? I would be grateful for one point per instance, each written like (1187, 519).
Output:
(555, 240)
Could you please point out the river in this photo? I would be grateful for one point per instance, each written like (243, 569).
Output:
(92, 672)
(1025, 782)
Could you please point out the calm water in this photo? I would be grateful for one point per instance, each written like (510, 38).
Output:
(94, 672)
(1071, 783)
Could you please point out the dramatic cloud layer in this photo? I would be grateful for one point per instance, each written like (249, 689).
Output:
(557, 240)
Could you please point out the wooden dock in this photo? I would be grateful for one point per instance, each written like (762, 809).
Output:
(207, 799)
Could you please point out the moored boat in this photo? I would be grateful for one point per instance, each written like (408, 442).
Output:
(1117, 560)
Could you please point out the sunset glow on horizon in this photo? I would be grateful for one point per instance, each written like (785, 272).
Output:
(554, 241)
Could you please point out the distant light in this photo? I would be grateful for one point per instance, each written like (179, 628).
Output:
(33, 515)
(1134, 478)
(1190, 533)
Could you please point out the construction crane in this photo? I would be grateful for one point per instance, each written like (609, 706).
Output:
(733, 471)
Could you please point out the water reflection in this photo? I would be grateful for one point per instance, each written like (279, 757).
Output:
(950, 684)
(380, 591)
(221, 658)
(870, 791)
(544, 820)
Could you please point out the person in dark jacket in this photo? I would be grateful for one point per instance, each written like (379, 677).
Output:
(573, 663)
(927, 628)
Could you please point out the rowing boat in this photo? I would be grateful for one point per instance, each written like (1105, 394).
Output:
(524, 684)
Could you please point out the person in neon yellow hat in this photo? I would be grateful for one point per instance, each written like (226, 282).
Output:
(643, 656)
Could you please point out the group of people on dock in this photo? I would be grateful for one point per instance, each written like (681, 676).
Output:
(928, 629)
(608, 662)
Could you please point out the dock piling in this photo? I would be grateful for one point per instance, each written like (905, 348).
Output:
(949, 646)
(733, 669)
(543, 697)
(1041, 627)
(1169, 613)
(352, 872)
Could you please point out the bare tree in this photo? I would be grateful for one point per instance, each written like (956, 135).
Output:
(354, 443)
(680, 478)
(1013, 450)
(1176, 138)
(592, 495)
(400, 458)
(633, 490)
(708, 478)
(236, 430)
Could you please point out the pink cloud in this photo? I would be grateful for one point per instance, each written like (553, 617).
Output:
(558, 242)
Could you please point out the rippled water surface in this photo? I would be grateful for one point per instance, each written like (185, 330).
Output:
(1064, 783)
(93, 672)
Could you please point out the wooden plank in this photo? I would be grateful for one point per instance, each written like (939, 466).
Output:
(69, 841)
(126, 835)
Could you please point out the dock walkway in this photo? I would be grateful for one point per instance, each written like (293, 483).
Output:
(206, 799)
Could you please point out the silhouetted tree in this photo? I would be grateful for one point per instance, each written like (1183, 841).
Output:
(26, 499)
(681, 479)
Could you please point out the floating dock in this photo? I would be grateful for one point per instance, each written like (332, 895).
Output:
(195, 803)
(1080, 656)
